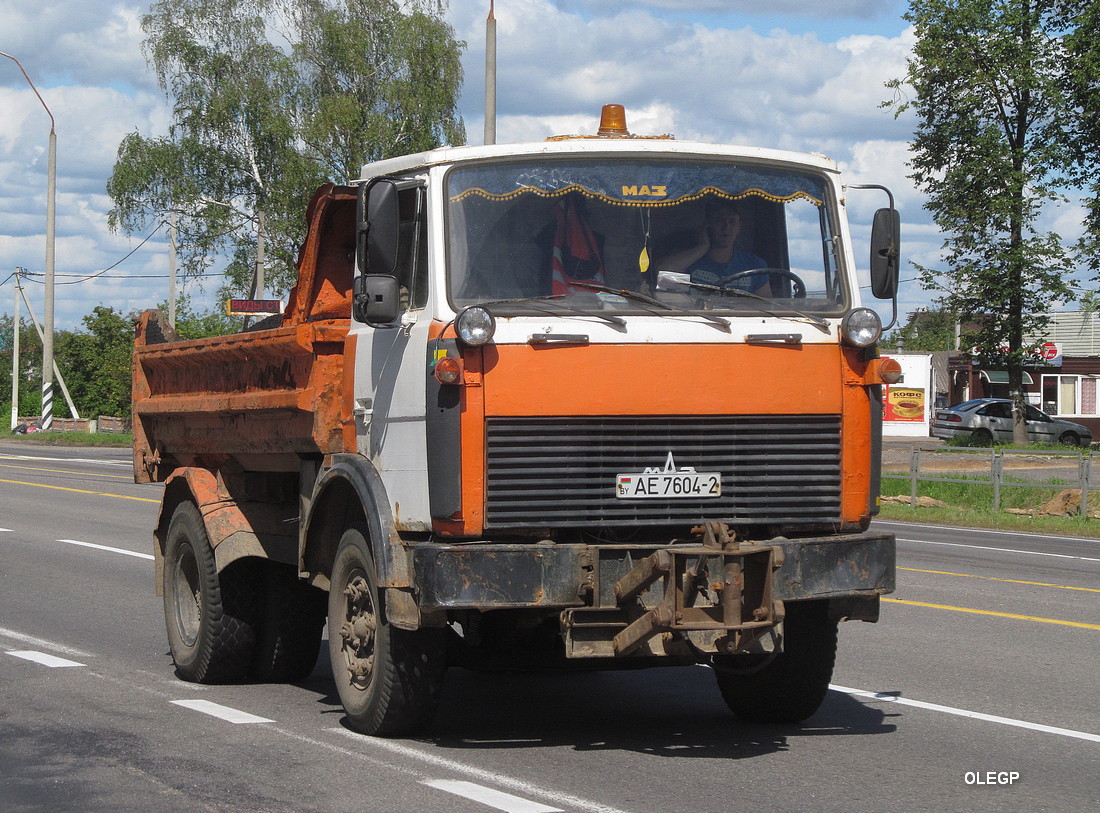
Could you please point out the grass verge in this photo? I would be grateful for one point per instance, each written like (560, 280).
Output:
(993, 520)
(107, 439)
(970, 505)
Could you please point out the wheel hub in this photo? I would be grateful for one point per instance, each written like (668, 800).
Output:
(358, 631)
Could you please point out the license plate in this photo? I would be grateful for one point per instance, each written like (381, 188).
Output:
(671, 485)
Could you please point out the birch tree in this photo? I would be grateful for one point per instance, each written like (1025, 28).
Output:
(270, 99)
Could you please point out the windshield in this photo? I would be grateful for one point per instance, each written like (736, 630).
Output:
(691, 234)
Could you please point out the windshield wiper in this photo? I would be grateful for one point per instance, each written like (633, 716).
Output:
(661, 309)
(816, 321)
(560, 309)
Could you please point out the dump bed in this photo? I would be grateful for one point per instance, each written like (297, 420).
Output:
(264, 396)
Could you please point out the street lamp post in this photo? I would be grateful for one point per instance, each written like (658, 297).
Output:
(51, 197)
(490, 77)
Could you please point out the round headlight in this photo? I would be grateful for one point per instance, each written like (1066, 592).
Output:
(861, 327)
(475, 326)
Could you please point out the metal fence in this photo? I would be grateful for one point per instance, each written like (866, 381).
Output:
(1074, 468)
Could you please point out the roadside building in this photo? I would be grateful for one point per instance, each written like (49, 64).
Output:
(1063, 380)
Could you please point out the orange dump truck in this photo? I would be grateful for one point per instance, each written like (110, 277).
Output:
(610, 400)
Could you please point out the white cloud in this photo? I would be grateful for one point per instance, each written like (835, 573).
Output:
(714, 70)
(809, 8)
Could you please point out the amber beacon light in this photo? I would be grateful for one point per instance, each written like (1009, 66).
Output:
(613, 121)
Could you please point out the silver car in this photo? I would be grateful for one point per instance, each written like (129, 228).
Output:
(990, 419)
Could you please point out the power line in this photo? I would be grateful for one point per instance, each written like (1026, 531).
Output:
(120, 262)
(86, 277)
(101, 275)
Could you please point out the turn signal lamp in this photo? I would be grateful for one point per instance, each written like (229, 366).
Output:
(448, 370)
(889, 370)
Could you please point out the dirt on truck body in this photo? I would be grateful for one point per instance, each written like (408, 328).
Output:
(518, 412)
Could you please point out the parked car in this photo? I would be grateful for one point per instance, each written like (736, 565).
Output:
(990, 419)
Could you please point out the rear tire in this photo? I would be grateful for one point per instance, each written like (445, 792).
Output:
(981, 437)
(388, 679)
(210, 616)
(791, 686)
(290, 628)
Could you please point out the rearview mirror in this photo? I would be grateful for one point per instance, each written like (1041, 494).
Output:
(376, 299)
(885, 253)
(377, 219)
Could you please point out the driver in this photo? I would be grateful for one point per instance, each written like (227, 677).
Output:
(715, 257)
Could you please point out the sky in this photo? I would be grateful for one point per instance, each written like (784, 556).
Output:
(807, 75)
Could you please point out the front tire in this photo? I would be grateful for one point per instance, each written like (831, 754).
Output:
(791, 686)
(388, 679)
(1069, 439)
(210, 616)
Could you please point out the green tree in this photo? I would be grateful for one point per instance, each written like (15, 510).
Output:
(96, 363)
(30, 368)
(1080, 19)
(270, 99)
(926, 331)
(990, 150)
(194, 324)
(379, 78)
(199, 324)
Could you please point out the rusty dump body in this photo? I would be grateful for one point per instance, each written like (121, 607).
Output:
(266, 396)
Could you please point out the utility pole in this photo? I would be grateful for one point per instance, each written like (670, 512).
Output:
(15, 354)
(56, 371)
(260, 229)
(47, 341)
(172, 270)
(51, 200)
(491, 77)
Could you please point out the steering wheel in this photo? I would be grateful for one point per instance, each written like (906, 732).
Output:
(796, 281)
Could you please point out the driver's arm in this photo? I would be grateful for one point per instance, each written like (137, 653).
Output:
(680, 262)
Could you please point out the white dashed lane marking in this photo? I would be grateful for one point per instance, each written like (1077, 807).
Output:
(51, 661)
(489, 797)
(221, 712)
(107, 548)
(891, 697)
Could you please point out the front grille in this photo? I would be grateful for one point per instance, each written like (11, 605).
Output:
(561, 472)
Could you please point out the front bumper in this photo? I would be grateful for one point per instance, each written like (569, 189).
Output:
(489, 576)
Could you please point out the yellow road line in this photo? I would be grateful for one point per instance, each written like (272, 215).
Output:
(1080, 624)
(995, 579)
(80, 491)
(66, 471)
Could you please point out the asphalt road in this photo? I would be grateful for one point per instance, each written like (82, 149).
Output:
(978, 690)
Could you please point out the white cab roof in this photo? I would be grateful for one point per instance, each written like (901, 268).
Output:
(597, 146)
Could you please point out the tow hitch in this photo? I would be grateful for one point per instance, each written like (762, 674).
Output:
(717, 595)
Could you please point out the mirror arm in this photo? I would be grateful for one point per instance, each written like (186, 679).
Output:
(889, 194)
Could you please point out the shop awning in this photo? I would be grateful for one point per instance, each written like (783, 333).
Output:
(1000, 376)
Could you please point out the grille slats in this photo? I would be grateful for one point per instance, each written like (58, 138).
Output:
(561, 472)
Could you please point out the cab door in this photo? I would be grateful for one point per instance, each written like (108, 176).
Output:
(389, 391)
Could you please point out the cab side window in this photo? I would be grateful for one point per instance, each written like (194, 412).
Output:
(412, 253)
